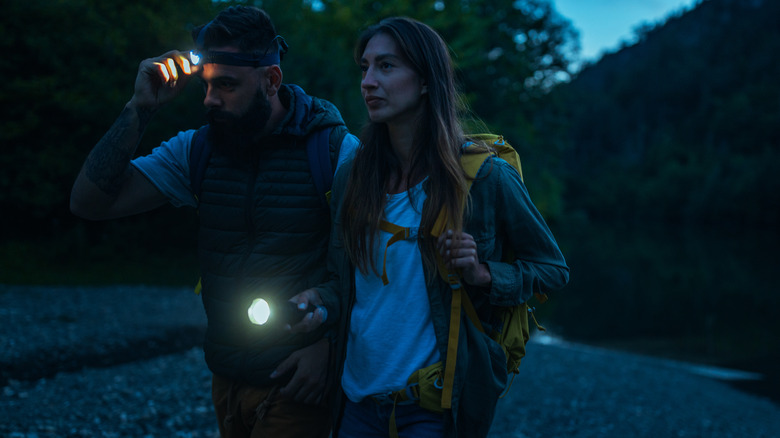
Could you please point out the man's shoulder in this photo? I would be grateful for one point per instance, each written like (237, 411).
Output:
(312, 110)
(176, 147)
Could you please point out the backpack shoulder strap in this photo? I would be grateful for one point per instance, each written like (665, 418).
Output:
(337, 135)
(318, 152)
(200, 152)
(472, 159)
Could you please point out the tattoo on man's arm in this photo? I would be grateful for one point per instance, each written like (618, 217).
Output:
(144, 117)
(108, 165)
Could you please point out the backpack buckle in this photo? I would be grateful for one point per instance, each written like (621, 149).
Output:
(411, 394)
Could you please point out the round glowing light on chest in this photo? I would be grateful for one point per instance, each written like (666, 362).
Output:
(259, 311)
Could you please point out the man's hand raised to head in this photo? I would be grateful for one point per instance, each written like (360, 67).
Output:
(161, 79)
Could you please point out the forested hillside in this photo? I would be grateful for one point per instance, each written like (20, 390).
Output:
(682, 127)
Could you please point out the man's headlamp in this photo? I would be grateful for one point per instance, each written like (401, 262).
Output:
(232, 58)
(199, 56)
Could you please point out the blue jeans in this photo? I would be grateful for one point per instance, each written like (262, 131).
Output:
(369, 419)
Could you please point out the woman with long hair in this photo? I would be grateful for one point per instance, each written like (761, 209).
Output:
(387, 293)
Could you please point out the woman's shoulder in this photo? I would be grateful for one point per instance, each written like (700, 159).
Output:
(496, 170)
(343, 171)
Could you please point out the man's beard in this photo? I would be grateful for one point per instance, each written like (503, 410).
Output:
(235, 135)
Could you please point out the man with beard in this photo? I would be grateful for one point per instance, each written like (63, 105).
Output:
(264, 226)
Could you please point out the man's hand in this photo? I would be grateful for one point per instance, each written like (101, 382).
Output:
(108, 186)
(460, 252)
(312, 320)
(161, 79)
(307, 384)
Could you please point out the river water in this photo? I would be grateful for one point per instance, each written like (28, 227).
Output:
(700, 295)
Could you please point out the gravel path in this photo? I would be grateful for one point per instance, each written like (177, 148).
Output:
(126, 362)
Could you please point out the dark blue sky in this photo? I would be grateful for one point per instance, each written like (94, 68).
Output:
(603, 24)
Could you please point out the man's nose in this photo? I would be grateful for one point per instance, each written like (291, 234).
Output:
(212, 99)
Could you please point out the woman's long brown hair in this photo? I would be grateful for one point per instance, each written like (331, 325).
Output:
(436, 150)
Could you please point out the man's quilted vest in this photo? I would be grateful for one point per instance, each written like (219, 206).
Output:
(263, 234)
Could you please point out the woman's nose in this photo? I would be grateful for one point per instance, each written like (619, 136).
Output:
(368, 80)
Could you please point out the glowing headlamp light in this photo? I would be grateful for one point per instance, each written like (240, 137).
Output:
(233, 58)
(261, 313)
(195, 57)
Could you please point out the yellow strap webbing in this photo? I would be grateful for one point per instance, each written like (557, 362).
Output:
(398, 233)
(393, 426)
(471, 167)
(471, 163)
(452, 346)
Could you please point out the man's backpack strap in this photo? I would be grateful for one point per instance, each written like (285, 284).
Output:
(318, 151)
(200, 152)
(335, 138)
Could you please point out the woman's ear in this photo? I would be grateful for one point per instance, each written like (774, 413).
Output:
(273, 74)
(424, 89)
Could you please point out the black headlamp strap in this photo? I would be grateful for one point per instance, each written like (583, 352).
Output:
(240, 59)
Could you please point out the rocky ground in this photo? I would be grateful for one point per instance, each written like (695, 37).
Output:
(125, 362)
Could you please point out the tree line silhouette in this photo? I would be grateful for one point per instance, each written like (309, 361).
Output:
(680, 127)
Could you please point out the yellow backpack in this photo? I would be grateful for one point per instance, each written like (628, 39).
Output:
(513, 332)
(433, 385)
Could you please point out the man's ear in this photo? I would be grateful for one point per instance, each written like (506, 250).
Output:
(273, 74)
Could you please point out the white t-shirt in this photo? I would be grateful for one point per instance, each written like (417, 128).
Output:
(168, 166)
(391, 332)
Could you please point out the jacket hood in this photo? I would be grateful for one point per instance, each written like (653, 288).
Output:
(305, 113)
